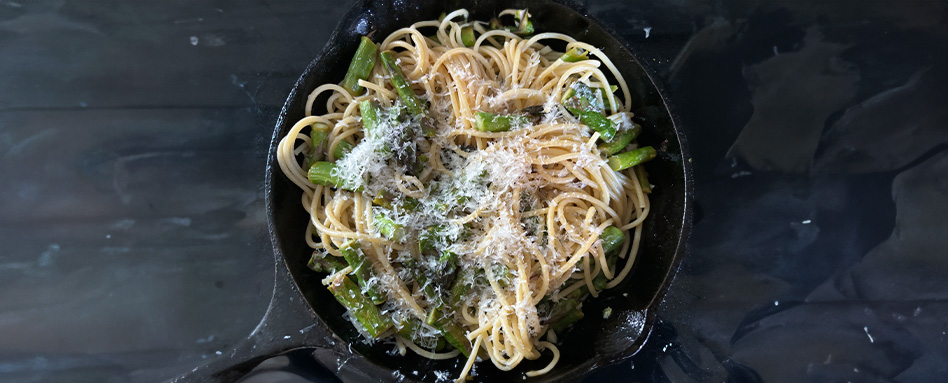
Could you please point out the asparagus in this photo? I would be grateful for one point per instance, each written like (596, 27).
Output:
(462, 285)
(437, 318)
(370, 111)
(447, 271)
(454, 334)
(342, 148)
(405, 93)
(350, 296)
(567, 319)
(388, 228)
(642, 175)
(612, 238)
(321, 173)
(574, 54)
(317, 135)
(582, 103)
(391, 202)
(360, 67)
(406, 327)
(467, 36)
(490, 122)
(524, 26)
(600, 281)
(631, 158)
(621, 140)
(598, 122)
(362, 269)
(323, 263)
(602, 91)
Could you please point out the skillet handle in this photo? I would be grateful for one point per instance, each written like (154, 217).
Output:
(289, 324)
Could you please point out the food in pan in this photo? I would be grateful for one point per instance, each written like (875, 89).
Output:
(469, 186)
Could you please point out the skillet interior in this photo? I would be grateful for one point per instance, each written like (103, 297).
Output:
(594, 341)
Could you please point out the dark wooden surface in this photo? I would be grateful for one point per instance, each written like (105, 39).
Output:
(133, 135)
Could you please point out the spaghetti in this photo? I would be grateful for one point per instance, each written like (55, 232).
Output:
(467, 189)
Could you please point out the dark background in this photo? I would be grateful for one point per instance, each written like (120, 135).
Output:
(133, 141)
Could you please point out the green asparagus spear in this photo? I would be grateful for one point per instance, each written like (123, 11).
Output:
(341, 149)
(317, 135)
(567, 319)
(406, 327)
(467, 36)
(415, 106)
(524, 25)
(462, 285)
(322, 173)
(574, 54)
(447, 270)
(360, 67)
(621, 140)
(602, 92)
(631, 158)
(600, 281)
(362, 269)
(370, 111)
(454, 334)
(612, 238)
(642, 175)
(324, 263)
(597, 121)
(350, 296)
(489, 122)
(583, 103)
(389, 201)
(388, 228)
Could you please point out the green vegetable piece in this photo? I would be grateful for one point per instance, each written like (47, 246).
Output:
(391, 202)
(597, 121)
(642, 175)
(450, 330)
(600, 281)
(467, 36)
(447, 270)
(575, 54)
(490, 122)
(342, 148)
(602, 92)
(407, 327)
(414, 105)
(612, 238)
(321, 173)
(362, 269)
(317, 135)
(564, 314)
(350, 296)
(388, 228)
(454, 334)
(324, 263)
(361, 66)
(462, 285)
(582, 102)
(621, 140)
(631, 158)
(371, 117)
(606, 312)
(524, 25)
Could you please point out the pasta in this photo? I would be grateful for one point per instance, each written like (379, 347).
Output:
(470, 185)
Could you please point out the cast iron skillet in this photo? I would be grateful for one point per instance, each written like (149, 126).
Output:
(303, 314)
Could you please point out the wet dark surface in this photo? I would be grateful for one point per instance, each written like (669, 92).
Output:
(133, 139)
